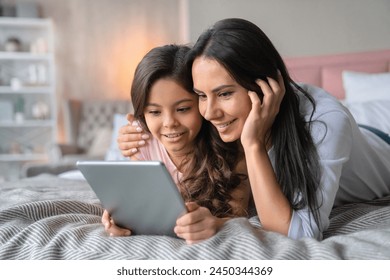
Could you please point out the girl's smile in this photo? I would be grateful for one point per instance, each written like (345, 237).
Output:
(172, 116)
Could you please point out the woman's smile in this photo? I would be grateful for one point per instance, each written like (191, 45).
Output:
(223, 127)
(222, 101)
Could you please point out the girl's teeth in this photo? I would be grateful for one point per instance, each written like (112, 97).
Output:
(172, 135)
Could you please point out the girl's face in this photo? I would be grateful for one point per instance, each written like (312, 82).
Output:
(172, 116)
(222, 101)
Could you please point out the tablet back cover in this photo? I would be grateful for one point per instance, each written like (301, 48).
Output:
(139, 195)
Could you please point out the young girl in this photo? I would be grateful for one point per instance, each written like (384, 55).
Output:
(304, 152)
(166, 107)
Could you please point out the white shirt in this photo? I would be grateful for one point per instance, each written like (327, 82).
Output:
(355, 162)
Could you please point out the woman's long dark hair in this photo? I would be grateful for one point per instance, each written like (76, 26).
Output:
(247, 54)
(208, 173)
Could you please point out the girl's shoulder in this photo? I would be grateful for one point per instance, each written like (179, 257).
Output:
(152, 150)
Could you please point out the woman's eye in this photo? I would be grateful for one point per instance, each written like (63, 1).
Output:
(225, 94)
(202, 96)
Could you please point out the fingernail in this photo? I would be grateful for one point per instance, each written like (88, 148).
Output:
(133, 150)
(139, 129)
(142, 142)
(134, 123)
(128, 233)
(145, 136)
(111, 234)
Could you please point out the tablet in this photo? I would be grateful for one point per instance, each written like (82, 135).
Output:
(139, 195)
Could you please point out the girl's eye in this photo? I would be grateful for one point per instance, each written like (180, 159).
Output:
(154, 113)
(183, 109)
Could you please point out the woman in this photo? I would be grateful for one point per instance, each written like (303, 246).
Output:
(166, 107)
(304, 152)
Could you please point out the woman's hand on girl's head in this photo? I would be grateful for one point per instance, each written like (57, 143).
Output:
(263, 113)
(130, 137)
(198, 224)
(111, 228)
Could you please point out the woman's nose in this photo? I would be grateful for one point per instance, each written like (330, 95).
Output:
(211, 110)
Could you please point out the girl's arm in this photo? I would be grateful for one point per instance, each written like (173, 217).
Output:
(272, 206)
(111, 228)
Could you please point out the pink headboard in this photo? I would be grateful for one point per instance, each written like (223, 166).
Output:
(326, 71)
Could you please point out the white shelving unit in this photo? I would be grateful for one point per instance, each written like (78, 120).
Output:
(28, 114)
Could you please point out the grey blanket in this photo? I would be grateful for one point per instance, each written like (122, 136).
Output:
(51, 218)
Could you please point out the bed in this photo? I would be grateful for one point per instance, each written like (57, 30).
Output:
(54, 217)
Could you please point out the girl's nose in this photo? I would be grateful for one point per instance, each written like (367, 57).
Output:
(170, 121)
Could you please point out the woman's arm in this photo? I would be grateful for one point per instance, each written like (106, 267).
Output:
(198, 224)
(272, 206)
(131, 137)
(332, 131)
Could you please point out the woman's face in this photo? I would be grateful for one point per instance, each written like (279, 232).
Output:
(172, 116)
(222, 101)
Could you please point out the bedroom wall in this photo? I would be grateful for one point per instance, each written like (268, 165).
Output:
(98, 43)
(304, 27)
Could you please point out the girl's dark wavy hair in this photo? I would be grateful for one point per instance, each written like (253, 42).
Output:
(247, 54)
(209, 176)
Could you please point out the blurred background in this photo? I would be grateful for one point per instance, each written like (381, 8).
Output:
(95, 45)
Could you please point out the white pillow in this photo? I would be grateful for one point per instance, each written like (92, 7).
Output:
(362, 87)
(375, 113)
(113, 152)
(100, 142)
(72, 175)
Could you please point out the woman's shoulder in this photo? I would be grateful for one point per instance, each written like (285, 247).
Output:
(325, 103)
(320, 95)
